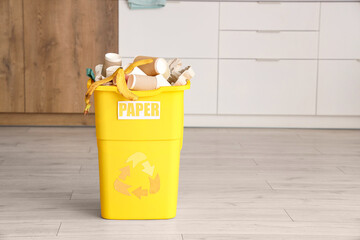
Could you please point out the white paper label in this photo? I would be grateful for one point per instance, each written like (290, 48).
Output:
(138, 110)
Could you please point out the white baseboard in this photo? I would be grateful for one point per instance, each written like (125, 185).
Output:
(351, 122)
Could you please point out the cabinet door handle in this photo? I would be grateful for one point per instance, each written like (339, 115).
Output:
(265, 2)
(358, 60)
(267, 59)
(268, 31)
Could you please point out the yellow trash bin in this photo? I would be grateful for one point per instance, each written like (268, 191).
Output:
(139, 145)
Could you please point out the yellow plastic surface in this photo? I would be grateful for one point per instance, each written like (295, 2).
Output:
(139, 158)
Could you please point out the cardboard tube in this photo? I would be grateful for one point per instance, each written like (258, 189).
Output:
(158, 66)
(141, 83)
(111, 59)
(137, 71)
(166, 75)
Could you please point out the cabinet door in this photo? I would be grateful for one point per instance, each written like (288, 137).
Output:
(181, 29)
(293, 45)
(202, 97)
(269, 16)
(340, 31)
(62, 39)
(12, 56)
(339, 87)
(267, 87)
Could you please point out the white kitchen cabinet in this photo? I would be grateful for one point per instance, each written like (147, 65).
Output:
(257, 64)
(265, 44)
(340, 31)
(202, 96)
(181, 29)
(339, 87)
(267, 87)
(269, 16)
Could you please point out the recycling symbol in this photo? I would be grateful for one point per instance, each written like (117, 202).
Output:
(152, 186)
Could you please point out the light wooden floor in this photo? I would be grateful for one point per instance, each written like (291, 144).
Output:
(234, 184)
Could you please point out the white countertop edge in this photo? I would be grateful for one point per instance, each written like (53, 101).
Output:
(338, 1)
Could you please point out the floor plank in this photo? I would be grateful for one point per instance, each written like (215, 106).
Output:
(264, 237)
(111, 237)
(206, 226)
(29, 229)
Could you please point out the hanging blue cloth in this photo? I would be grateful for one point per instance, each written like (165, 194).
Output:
(142, 4)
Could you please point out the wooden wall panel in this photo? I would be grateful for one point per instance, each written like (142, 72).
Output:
(46, 119)
(11, 56)
(62, 39)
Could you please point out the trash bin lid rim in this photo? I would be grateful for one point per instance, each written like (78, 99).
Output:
(149, 92)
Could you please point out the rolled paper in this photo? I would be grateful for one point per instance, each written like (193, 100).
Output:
(136, 71)
(166, 75)
(141, 83)
(158, 66)
(111, 59)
